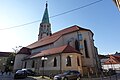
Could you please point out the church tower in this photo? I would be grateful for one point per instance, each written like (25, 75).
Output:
(45, 26)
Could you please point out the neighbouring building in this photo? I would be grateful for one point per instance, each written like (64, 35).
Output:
(110, 61)
(69, 49)
(103, 59)
(117, 3)
(113, 62)
(3, 59)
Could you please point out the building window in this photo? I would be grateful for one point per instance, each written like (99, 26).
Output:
(48, 26)
(41, 25)
(33, 64)
(68, 42)
(68, 61)
(77, 45)
(80, 37)
(86, 49)
(80, 47)
(55, 62)
(78, 61)
(25, 64)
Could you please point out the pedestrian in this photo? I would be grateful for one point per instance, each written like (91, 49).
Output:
(2, 72)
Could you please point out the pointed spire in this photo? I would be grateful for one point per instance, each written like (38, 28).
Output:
(45, 18)
(46, 4)
(45, 26)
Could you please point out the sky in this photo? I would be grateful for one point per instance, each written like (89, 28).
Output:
(102, 18)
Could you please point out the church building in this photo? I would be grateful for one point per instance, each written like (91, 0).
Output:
(69, 49)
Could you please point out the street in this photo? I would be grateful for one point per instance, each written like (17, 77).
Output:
(10, 77)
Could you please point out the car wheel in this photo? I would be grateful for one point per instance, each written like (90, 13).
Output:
(65, 78)
(78, 78)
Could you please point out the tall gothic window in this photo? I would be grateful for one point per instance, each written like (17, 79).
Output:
(80, 37)
(86, 49)
(78, 61)
(33, 64)
(68, 42)
(68, 61)
(55, 62)
(77, 45)
(25, 64)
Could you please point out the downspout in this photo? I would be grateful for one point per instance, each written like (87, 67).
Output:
(22, 64)
(93, 54)
(60, 63)
(80, 51)
(78, 40)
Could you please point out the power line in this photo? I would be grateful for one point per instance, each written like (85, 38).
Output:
(20, 25)
(77, 8)
(55, 15)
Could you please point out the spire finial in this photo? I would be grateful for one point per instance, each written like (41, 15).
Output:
(46, 4)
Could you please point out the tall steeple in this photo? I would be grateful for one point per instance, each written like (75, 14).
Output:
(45, 18)
(45, 26)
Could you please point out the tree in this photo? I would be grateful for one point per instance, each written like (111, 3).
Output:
(10, 61)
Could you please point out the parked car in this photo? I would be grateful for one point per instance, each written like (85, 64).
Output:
(68, 75)
(20, 74)
(111, 71)
(29, 72)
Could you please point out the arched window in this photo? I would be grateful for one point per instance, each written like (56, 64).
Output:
(55, 62)
(25, 64)
(68, 42)
(33, 64)
(77, 45)
(68, 61)
(86, 49)
(78, 61)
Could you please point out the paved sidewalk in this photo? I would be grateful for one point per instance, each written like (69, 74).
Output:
(7, 76)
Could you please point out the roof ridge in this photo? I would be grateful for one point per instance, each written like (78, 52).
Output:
(55, 36)
(55, 50)
(65, 48)
(66, 29)
(68, 47)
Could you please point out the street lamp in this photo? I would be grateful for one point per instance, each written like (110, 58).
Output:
(11, 62)
(3, 64)
(43, 60)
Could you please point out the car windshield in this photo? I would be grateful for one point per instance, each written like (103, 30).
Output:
(66, 72)
(28, 70)
(76, 72)
(20, 71)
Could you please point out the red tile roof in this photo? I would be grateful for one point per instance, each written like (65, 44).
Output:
(113, 60)
(4, 54)
(62, 49)
(51, 39)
